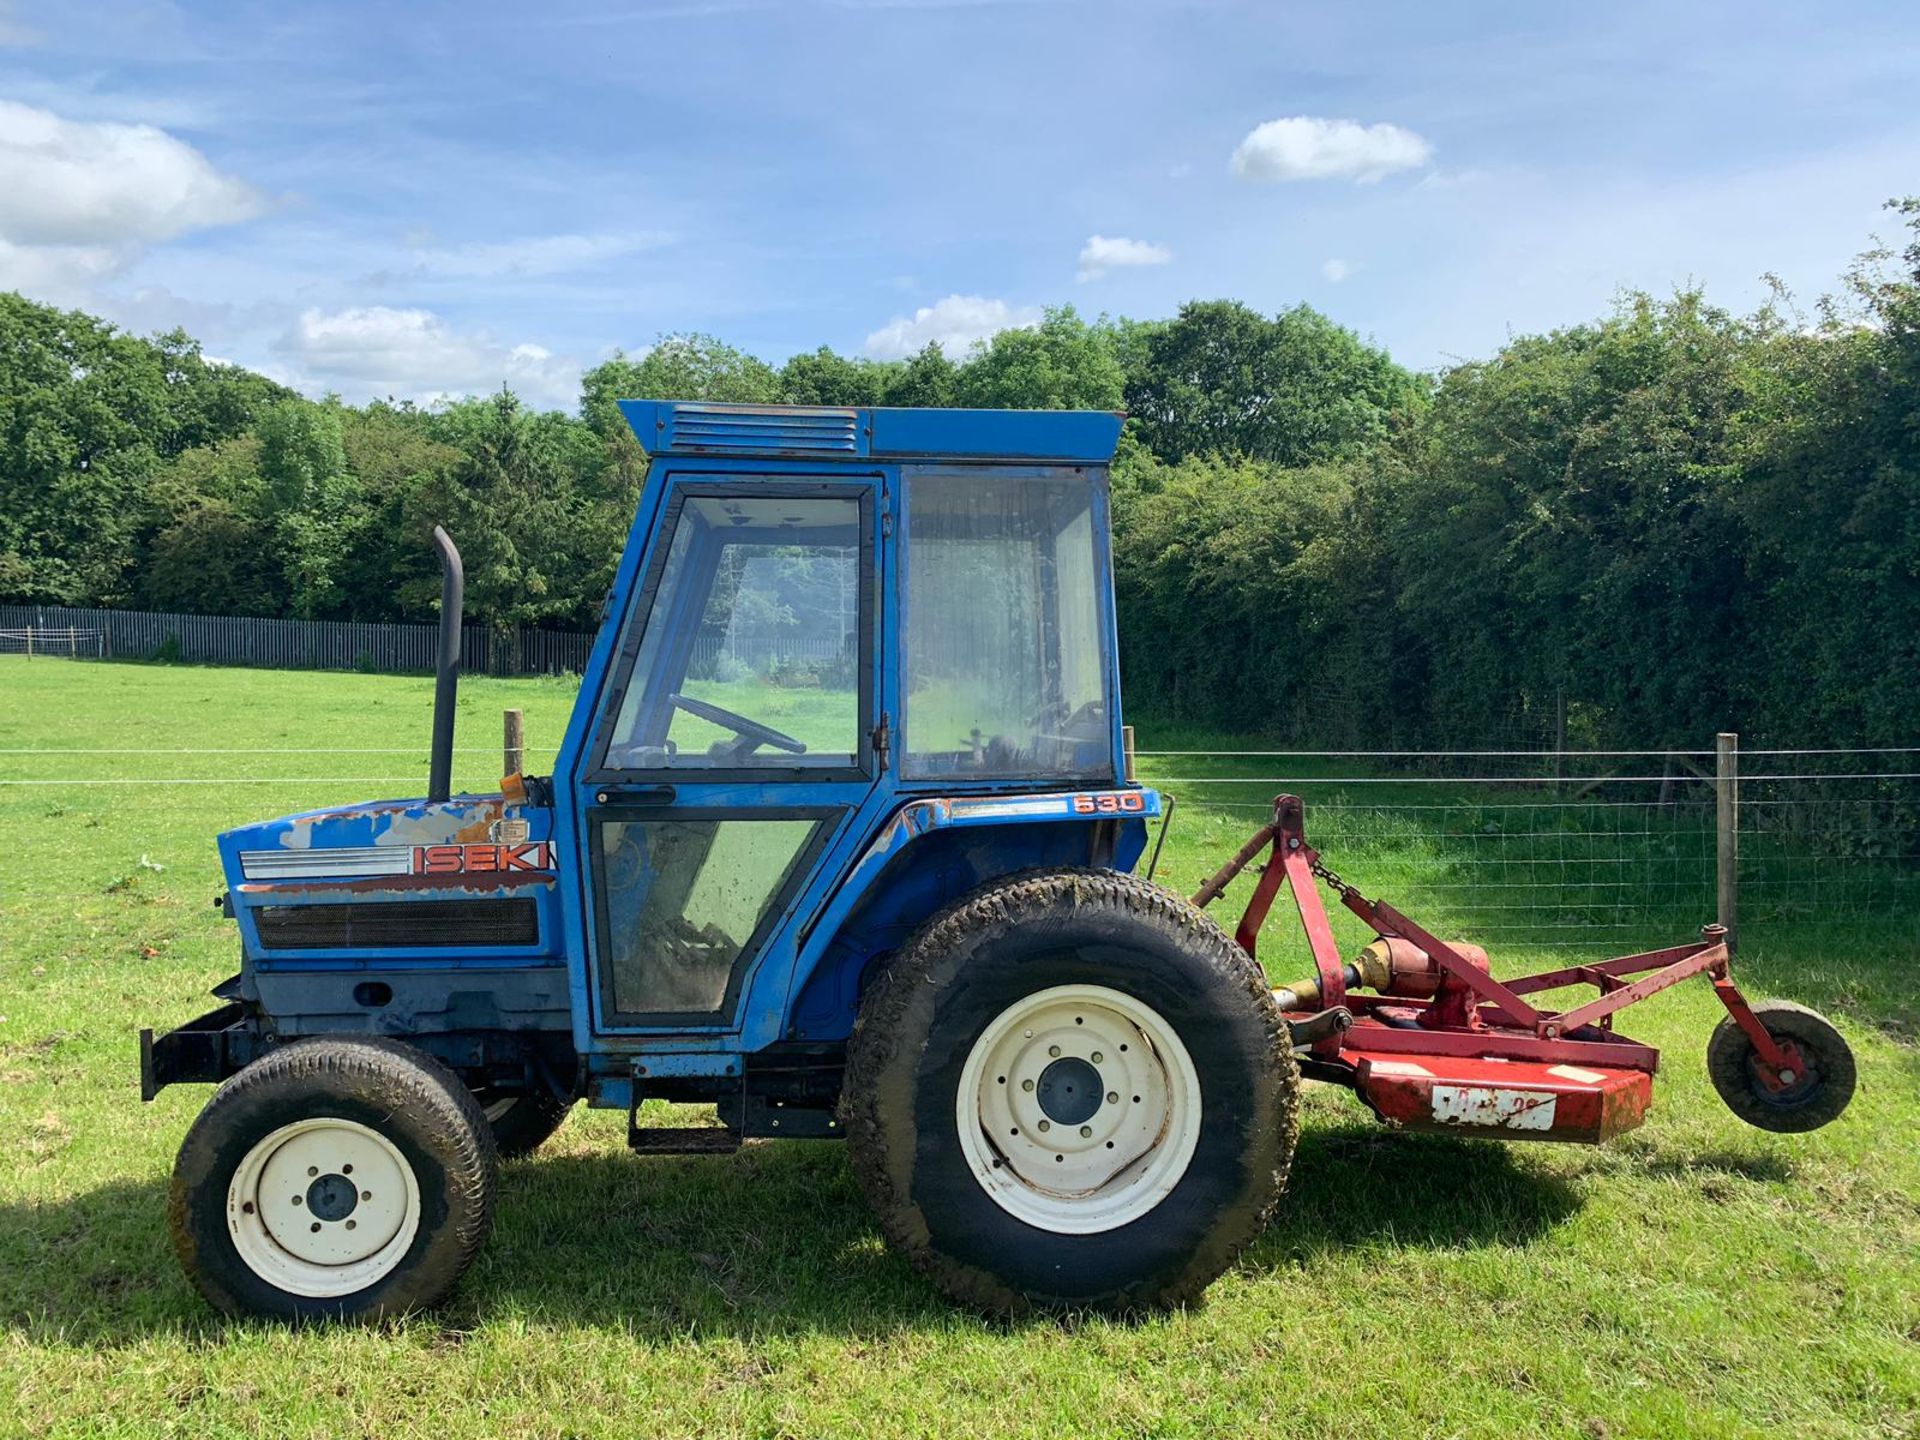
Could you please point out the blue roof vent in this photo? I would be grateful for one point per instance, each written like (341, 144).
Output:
(757, 429)
(685, 427)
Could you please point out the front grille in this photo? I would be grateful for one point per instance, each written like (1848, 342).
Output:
(399, 924)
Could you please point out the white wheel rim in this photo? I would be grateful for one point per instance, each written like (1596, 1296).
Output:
(1023, 1109)
(323, 1207)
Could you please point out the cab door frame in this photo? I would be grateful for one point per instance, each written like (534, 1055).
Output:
(847, 798)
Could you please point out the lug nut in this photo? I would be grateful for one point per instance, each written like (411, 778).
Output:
(1086, 1132)
(1026, 1084)
(1046, 1124)
(1098, 1057)
(1113, 1097)
(298, 1200)
(366, 1194)
(1053, 1050)
(313, 1169)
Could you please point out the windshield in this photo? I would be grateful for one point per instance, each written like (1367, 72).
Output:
(751, 653)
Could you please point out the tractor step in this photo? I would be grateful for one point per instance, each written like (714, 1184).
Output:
(681, 1140)
(1503, 1099)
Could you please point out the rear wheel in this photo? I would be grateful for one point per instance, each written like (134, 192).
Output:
(334, 1178)
(1804, 1099)
(1071, 1089)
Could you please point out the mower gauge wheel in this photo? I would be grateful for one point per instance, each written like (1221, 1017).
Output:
(1813, 1097)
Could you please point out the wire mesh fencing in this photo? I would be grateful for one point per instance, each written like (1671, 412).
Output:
(1590, 851)
(1526, 850)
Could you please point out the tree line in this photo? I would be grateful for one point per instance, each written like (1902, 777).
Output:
(1634, 530)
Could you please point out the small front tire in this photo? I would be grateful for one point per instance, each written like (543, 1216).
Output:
(347, 1178)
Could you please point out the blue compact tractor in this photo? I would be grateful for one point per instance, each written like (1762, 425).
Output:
(838, 841)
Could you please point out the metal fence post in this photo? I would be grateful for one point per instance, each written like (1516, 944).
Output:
(1726, 795)
(516, 747)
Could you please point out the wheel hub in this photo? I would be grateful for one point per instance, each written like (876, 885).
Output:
(1078, 1109)
(332, 1197)
(323, 1207)
(1068, 1091)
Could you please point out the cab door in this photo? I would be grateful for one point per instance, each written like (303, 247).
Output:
(735, 740)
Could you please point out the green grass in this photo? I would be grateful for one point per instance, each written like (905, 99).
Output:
(1695, 1278)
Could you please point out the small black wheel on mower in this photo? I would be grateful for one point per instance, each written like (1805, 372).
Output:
(522, 1121)
(1812, 1098)
(1071, 1089)
(337, 1178)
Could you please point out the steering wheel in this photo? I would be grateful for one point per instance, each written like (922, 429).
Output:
(751, 732)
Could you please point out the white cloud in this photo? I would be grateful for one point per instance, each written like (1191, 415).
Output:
(958, 323)
(375, 351)
(77, 182)
(1305, 147)
(1337, 270)
(57, 274)
(1102, 253)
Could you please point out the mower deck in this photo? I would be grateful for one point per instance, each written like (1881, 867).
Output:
(1505, 1099)
(1444, 1046)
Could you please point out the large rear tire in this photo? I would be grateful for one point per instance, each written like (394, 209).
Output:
(345, 1178)
(1071, 1089)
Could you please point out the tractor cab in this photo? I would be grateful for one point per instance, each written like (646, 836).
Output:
(823, 616)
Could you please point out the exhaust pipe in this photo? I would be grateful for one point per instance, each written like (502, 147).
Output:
(446, 676)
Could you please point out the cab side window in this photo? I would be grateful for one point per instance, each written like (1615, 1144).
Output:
(1003, 660)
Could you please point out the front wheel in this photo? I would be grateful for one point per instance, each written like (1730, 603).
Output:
(1071, 1089)
(334, 1178)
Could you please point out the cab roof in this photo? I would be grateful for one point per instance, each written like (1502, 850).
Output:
(818, 432)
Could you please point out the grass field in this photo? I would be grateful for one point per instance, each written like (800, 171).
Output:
(1694, 1278)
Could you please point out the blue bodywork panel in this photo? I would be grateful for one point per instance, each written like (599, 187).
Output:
(486, 914)
(1060, 437)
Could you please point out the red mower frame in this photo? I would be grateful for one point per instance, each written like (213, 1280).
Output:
(1446, 1046)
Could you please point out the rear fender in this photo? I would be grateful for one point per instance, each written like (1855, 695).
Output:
(929, 854)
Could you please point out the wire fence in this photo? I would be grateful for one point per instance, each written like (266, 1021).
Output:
(1604, 850)
(58, 632)
(1525, 849)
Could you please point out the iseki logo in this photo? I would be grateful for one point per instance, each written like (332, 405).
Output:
(481, 859)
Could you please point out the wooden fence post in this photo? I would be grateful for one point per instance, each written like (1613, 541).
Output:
(516, 749)
(1726, 794)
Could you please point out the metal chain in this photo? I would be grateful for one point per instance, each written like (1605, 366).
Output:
(1339, 886)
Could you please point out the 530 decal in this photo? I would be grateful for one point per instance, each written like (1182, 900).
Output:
(481, 859)
(1110, 802)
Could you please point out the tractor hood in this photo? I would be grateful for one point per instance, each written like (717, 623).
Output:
(467, 847)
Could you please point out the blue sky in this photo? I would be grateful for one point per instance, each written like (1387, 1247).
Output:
(420, 199)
